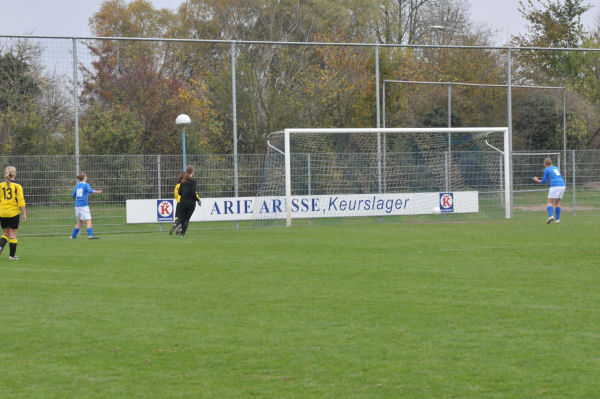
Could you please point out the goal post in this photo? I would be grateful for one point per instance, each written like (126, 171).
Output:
(428, 151)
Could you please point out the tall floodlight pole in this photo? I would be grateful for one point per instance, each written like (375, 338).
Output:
(183, 120)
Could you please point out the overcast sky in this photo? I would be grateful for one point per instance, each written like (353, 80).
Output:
(70, 17)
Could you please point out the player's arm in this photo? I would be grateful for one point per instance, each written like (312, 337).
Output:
(92, 191)
(546, 176)
(194, 188)
(21, 204)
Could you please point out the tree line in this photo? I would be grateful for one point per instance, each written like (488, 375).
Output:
(132, 91)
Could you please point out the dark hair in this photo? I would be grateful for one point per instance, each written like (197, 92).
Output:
(187, 176)
(180, 177)
(80, 176)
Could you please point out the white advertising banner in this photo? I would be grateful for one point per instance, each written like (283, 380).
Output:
(308, 206)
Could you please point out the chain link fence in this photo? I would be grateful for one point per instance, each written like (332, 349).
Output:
(48, 183)
(122, 95)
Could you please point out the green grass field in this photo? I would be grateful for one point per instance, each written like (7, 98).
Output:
(499, 309)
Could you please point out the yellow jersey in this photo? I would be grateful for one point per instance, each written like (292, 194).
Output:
(177, 196)
(11, 199)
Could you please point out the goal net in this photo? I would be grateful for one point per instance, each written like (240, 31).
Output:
(380, 172)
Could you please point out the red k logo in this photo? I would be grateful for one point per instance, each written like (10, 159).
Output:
(165, 208)
(447, 201)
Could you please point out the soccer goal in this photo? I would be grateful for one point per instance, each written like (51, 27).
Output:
(337, 173)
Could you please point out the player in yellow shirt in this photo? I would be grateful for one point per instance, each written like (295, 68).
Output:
(12, 205)
(177, 199)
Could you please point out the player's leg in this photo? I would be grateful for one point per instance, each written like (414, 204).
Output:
(173, 227)
(9, 229)
(186, 214)
(4, 238)
(177, 219)
(557, 210)
(77, 227)
(554, 196)
(88, 226)
(12, 243)
(550, 209)
(183, 228)
(90, 230)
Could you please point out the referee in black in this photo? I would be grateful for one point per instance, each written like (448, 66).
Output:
(189, 198)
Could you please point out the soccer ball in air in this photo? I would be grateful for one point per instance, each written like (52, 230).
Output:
(436, 210)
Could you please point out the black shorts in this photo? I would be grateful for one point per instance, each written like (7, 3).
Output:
(10, 223)
(186, 209)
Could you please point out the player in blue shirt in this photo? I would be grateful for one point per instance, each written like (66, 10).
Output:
(82, 210)
(557, 189)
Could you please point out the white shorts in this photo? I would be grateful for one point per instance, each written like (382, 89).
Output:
(556, 192)
(82, 213)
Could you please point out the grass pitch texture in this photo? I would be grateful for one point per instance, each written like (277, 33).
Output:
(506, 309)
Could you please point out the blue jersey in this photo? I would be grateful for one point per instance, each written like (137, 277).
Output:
(552, 176)
(80, 193)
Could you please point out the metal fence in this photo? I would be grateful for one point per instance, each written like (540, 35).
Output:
(48, 183)
(257, 87)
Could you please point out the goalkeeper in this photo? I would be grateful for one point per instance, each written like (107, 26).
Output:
(177, 198)
(557, 189)
(188, 200)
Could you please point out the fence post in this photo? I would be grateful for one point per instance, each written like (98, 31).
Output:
(159, 186)
(379, 166)
(564, 104)
(384, 142)
(501, 181)
(508, 148)
(573, 183)
(234, 121)
(309, 181)
(447, 174)
(450, 119)
(76, 106)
